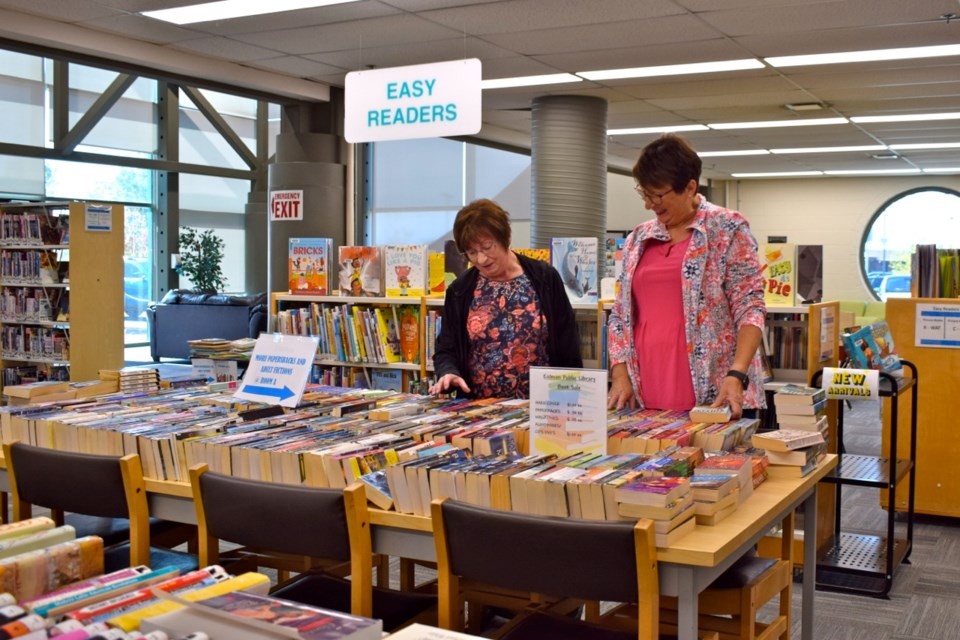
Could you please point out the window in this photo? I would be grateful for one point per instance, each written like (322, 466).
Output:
(929, 215)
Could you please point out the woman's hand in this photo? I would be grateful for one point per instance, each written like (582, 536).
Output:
(731, 393)
(621, 391)
(444, 384)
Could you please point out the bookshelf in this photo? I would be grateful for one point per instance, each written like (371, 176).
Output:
(351, 336)
(785, 340)
(61, 310)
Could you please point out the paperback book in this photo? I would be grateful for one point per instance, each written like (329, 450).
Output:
(577, 261)
(798, 394)
(308, 266)
(872, 347)
(786, 439)
(360, 271)
(405, 270)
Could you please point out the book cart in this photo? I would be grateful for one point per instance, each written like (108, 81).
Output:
(859, 561)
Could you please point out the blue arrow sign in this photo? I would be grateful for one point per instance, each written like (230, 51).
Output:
(280, 394)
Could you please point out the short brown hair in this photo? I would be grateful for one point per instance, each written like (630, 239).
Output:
(480, 218)
(668, 160)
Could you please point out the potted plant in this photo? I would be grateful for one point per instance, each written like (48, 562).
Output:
(201, 253)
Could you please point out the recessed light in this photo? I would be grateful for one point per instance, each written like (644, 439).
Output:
(764, 124)
(672, 69)
(885, 156)
(529, 81)
(905, 53)
(663, 129)
(778, 174)
(806, 106)
(866, 147)
(227, 9)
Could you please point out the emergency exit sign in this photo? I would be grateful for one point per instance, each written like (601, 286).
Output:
(286, 205)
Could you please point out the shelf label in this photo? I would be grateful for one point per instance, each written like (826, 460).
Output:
(568, 411)
(851, 384)
(279, 369)
(938, 325)
(98, 217)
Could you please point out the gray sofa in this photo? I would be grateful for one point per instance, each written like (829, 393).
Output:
(185, 315)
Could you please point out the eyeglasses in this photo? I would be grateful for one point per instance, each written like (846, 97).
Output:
(486, 250)
(653, 198)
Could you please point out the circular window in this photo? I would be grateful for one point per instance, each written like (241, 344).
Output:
(929, 215)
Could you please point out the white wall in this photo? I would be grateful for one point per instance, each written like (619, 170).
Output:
(833, 212)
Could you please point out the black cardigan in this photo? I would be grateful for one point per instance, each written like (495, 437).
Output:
(563, 340)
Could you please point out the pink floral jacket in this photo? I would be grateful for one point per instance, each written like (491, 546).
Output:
(722, 291)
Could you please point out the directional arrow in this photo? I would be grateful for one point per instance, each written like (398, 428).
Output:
(280, 394)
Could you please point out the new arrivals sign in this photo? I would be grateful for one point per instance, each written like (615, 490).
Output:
(419, 101)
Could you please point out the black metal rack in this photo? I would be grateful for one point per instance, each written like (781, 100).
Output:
(861, 561)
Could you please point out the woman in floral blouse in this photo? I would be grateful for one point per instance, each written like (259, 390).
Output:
(505, 314)
(688, 318)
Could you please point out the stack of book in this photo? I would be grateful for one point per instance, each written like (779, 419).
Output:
(133, 379)
(792, 452)
(740, 466)
(668, 501)
(714, 497)
(801, 407)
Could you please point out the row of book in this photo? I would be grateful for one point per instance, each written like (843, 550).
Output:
(413, 270)
(31, 266)
(26, 304)
(31, 228)
(20, 342)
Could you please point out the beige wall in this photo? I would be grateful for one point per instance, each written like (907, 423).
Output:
(833, 212)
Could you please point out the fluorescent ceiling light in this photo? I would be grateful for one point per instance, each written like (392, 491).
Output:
(663, 129)
(738, 152)
(926, 145)
(529, 81)
(943, 170)
(765, 124)
(672, 69)
(227, 9)
(778, 174)
(866, 147)
(905, 53)
(871, 172)
(908, 117)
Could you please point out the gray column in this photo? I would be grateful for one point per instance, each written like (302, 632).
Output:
(312, 162)
(569, 168)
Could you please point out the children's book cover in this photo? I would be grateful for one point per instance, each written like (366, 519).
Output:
(405, 270)
(308, 265)
(542, 254)
(360, 271)
(777, 265)
(438, 282)
(577, 260)
(809, 273)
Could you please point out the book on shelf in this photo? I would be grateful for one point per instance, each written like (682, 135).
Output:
(706, 413)
(801, 409)
(378, 489)
(798, 394)
(706, 488)
(708, 508)
(740, 466)
(577, 261)
(809, 273)
(360, 271)
(55, 607)
(409, 328)
(653, 490)
(436, 274)
(387, 380)
(777, 265)
(795, 471)
(872, 347)
(666, 526)
(34, 390)
(786, 439)
(405, 270)
(666, 512)
(711, 519)
(241, 616)
(796, 457)
(308, 266)
(816, 422)
(542, 254)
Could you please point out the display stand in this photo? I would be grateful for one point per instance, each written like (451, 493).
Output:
(860, 561)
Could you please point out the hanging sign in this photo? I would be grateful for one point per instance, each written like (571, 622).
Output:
(278, 370)
(286, 205)
(418, 101)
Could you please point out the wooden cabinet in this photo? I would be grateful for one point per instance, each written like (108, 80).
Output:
(61, 314)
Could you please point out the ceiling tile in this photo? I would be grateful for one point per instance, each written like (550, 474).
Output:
(226, 49)
(294, 66)
(73, 11)
(141, 28)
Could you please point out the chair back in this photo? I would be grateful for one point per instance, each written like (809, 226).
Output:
(94, 485)
(584, 559)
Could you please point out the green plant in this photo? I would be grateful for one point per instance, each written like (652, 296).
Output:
(200, 256)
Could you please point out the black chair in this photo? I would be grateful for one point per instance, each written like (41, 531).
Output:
(501, 555)
(98, 495)
(281, 525)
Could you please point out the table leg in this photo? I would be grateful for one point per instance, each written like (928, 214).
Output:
(687, 614)
(809, 565)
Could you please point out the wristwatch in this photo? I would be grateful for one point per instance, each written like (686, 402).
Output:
(739, 375)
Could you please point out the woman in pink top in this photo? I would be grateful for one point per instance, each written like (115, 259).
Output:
(687, 321)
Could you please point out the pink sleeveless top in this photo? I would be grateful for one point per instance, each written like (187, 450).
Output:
(660, 341)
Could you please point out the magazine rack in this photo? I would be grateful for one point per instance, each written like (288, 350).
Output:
(860, 561)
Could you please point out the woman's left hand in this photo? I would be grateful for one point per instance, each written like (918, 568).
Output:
(731, 393)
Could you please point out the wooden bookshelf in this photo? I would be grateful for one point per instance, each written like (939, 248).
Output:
(87, 280)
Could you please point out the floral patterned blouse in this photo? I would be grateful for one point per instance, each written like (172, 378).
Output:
(508, 335)
(722, 289)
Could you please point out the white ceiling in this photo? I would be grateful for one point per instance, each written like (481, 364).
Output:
(531, 37)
